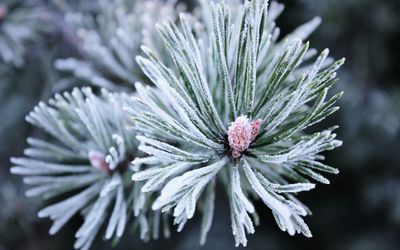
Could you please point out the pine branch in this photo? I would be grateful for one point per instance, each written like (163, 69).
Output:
(111, 40)
(19, 23)
(84, 169)
(235, 106)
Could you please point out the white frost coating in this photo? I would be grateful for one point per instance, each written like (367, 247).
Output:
(208, 212)
(221, 76)
(275, 205)
(240, 207)
(171, 149)
(236, 188)
(194, 178)
(231, 64)
(111, 185)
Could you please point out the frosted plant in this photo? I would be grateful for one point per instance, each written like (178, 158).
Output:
(111, 40)
(86, 168)
(19, 23)
(233, 110)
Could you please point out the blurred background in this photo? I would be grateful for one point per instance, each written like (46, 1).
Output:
(359, 210)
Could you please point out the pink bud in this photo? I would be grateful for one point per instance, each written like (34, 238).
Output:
(236, 154)
(98, 161)
(255, 128)
(241, 133)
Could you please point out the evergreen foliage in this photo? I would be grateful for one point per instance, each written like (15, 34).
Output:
(86, 166)
(19, 23)
(232, 104)
(111, 39)
(234, 109)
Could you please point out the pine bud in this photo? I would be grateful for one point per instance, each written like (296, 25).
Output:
(241, 133)
(98, 161)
